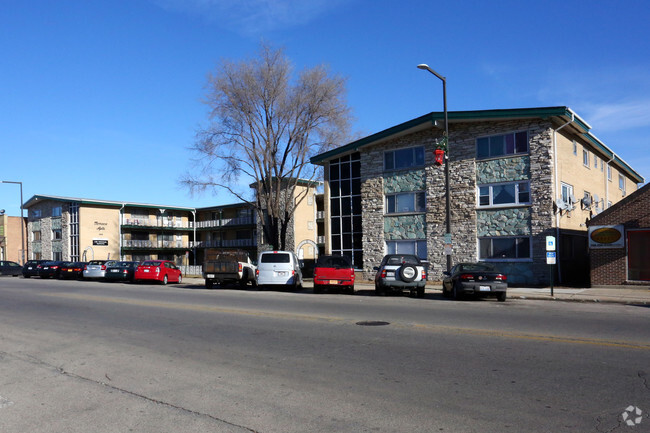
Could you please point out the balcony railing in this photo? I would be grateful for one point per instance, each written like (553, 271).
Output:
(154, 244)
(145, 222)
(225, 222)
(227, 243)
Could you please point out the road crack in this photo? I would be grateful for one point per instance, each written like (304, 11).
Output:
(39, 362)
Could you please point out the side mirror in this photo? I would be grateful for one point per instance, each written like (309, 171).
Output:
(375, 268)
(446, 274)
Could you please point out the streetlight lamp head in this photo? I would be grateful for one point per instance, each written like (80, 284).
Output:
(423, 66)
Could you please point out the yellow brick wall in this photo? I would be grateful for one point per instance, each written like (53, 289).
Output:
(97, 222)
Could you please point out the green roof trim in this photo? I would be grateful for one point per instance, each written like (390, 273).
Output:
(108, 203)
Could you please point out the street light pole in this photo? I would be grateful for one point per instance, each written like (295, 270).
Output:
(22, 221)
(447, 195)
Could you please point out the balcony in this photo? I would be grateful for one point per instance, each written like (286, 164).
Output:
(155, 244)
(225, 222)
(227, 243)
(147, 223)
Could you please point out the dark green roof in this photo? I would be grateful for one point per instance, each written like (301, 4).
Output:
(562, 114)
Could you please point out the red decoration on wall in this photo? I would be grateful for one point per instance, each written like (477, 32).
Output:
(440, 156)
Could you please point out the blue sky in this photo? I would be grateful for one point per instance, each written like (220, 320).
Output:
(102, 98)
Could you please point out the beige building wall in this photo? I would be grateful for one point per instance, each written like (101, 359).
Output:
(584, 168)
(304, 223)
(99, 225)
(10, 238)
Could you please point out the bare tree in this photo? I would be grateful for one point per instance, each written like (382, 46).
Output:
(263, 128)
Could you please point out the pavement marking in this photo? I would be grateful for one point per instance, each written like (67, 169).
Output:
(334, 319)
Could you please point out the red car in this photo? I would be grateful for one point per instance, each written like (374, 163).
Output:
(158, 270)
(334, 272)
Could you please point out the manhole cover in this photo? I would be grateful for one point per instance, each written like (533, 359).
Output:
(372, 323)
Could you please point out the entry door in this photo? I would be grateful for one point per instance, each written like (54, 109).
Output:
(638, 255)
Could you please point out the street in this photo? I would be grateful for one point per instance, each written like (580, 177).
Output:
(91, 356)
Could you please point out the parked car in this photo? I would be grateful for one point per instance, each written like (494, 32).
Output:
(30, 268)
(279, 269)
(72, 270)
(121, 271)
(158, 270)
(50, 269)
(97, 268)
(334, 272)
(10, 268)
(401, 272)
(478, 279)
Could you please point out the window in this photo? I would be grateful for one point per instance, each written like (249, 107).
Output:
(585, 157)
(504, 194)
(36, 236)
(56, 235)
(416, 247)
(602, 165)
(56, 211)
(609, 173)
(404, 158)
(504, 248)
(405, 202)
(575, 148)
(567, 193)
(595, 161)
(501, 145)
(36, 213)
(345, 207)
(621, 182)
(57, 255)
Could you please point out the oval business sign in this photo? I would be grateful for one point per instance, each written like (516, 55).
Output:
(606, 235)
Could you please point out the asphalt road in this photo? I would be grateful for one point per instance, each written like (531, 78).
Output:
(112, 357)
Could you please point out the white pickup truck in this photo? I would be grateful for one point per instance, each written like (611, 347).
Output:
(228, 266)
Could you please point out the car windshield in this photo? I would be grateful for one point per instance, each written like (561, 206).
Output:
(150, 263)
(97, 262)
(123, 264)
(398, 260)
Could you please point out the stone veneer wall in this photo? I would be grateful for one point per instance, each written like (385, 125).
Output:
(47, 246)
(465, 173)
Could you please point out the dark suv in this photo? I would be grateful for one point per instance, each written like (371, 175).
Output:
(401, 272)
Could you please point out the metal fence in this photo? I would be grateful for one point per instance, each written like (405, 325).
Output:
(191, 270)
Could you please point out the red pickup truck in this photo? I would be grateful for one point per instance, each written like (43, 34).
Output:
(334, 272)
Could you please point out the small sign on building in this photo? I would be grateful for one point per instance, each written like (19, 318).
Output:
(100, 242)
(607, 236)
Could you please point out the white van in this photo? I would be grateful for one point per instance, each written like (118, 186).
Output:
(279, 268)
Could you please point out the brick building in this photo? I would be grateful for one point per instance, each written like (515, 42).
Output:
(619, 241)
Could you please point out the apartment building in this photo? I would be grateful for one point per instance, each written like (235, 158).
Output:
(516, 177)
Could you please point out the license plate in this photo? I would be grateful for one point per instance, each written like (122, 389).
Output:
(484, 288)
(334, 281)
(69, 270)
(390, 274)
(46, 267)
(282, 273)
(146, 270)
(210, 275)
(30, 268)
(115, 270)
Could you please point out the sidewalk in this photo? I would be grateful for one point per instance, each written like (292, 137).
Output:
(619, 294)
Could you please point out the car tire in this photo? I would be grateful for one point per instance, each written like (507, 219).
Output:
(351, 290)
(209, 285)
(164, 281)
(318, 289)
(408, 273)
(420, 292)
(379, 291)
(501, 296)
(456, 294)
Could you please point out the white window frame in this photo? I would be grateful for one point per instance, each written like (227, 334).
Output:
(585, 158)
(414, 195)
(392, 247)
(566, 191)
(490, 194)
(609, 172)
(621, 183)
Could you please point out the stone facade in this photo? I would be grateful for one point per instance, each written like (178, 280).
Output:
(468, 221)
